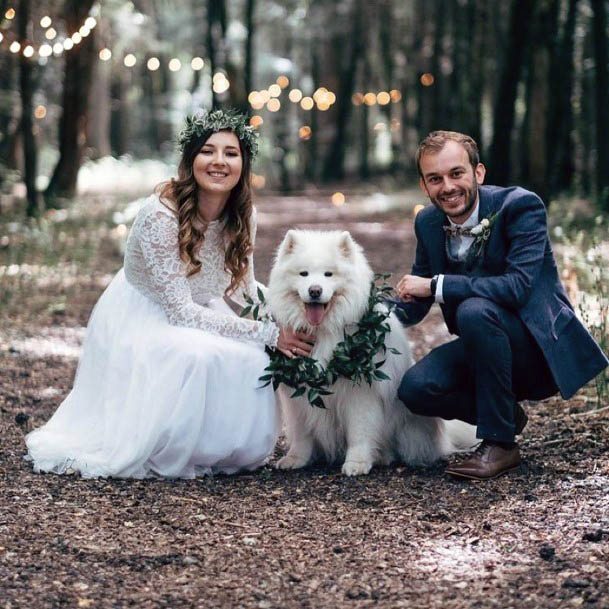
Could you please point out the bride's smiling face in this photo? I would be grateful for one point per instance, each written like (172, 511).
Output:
(218, 164)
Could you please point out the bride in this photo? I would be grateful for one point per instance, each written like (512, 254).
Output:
(167, 383)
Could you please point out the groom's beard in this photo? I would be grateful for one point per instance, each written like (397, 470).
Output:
(470, 196)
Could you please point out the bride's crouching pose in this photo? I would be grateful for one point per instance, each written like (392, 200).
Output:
(167, 383)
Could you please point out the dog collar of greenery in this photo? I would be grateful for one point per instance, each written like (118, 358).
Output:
(353, 357)
(219, 120)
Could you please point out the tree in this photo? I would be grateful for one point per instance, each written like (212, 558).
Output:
(503, 119)
(353, 41)
(26, 86)
(599, 27)
(72, 125)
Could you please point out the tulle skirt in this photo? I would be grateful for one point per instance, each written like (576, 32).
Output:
(151, 399)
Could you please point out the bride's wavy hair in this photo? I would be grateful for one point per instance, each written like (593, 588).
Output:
(182, 192)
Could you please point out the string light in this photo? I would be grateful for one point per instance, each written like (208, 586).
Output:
(295, 95)
(105, 54)
(45, 50)
(175, 65)
(197, 63)
(283, 81)
(129, 60)
(40, 112)
(383, 98)
(256, 121)
(338, 199)
(275, 90)
(273, 105)
(305, 132)
(153, 64)
(306, 103)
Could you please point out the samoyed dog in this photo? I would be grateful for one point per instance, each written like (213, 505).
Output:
(320, 283)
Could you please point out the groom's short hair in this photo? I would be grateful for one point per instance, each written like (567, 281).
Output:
(436, 140)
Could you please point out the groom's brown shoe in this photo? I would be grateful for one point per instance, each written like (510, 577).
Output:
(488, 461)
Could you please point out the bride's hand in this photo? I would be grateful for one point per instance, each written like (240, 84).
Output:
(295, 344)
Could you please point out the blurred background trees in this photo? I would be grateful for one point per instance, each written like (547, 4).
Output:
(340, 90)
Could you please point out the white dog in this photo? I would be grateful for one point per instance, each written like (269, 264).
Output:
(320, 283)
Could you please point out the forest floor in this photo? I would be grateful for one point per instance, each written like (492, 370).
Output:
(399, 537)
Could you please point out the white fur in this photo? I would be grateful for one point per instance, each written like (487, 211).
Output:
(364, 425)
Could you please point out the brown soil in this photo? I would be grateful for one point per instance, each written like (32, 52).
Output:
(399, 537)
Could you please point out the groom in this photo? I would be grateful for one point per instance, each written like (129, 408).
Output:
(484, 255)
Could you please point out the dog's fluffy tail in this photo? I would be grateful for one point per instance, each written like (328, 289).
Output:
(459, 436)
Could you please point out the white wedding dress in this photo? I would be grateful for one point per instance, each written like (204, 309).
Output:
(167, 383)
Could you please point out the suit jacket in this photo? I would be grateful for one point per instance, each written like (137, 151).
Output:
(518, 272)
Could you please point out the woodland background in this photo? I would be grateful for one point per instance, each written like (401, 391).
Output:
(91, 97)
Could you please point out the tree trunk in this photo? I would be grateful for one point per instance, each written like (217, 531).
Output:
(248, 74)
(503, 120)
(72, 125)
(334, 165)
(599, 27)
(30, 152)
(560, 143)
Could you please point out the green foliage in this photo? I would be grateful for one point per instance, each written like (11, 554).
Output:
(353, 358)
(47, 260)
(583, 256)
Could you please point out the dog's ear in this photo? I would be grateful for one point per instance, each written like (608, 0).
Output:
(346, 244)
(287, 245)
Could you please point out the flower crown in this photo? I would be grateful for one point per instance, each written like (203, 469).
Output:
(219, 120)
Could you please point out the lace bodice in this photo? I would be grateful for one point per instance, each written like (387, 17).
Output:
(154, 267)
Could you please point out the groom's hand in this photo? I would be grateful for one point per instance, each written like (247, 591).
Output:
(295, 344)
(411, 287)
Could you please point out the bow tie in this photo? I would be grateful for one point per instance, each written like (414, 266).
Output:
(457, 231)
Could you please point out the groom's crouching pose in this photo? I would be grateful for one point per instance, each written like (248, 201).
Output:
(484, 254)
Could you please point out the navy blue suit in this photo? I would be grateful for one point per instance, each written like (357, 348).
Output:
(519, 337)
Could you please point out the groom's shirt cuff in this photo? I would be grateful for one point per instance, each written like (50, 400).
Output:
(439, 298)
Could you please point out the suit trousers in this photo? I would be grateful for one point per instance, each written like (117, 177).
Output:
(482, 375)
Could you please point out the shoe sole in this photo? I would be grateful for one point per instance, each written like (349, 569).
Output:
(471, 477)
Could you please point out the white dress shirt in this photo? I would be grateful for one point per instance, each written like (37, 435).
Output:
(458, 246)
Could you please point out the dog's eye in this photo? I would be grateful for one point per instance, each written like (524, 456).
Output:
(304, 273)
(328, 274)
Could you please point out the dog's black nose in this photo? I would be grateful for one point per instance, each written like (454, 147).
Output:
(315, 291)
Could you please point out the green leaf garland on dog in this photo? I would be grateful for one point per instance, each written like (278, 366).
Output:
(353, 357)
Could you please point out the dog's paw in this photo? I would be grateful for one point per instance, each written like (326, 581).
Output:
(356, 468)
(291, 462)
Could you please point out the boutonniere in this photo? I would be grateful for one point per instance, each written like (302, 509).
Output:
(481, 233)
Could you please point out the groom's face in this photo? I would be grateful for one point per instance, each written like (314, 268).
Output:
(450, 181)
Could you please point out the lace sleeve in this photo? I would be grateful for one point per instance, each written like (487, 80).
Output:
(158, 236)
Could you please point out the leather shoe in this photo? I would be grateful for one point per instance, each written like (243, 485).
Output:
(488, 461)
(520, 420)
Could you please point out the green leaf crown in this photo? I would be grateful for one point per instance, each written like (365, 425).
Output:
(203, 121)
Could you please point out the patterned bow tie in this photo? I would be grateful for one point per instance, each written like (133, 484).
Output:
(457, 231)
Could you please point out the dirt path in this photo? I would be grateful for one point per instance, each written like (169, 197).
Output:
(399, 537)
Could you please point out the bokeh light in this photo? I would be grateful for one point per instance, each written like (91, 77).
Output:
(306, 103)
(338, 199)
(295, 95)
(305, 132)
(427, 79)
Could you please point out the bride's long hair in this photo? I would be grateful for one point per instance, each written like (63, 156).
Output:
(237, 214)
